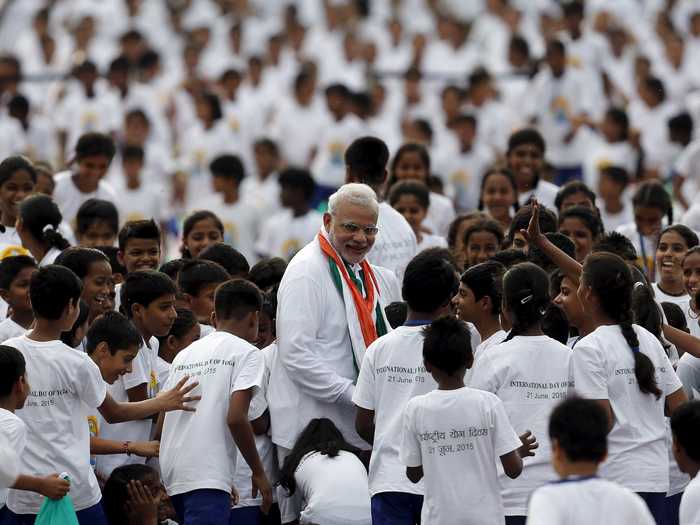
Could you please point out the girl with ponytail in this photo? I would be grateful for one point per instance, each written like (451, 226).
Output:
(529, 373)
(625, 368)
(38, 227)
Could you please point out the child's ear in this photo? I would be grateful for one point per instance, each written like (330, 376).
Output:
(120, 258)
(214, 320)
(187, 298)
(170, 341)
(486, 303)
(4, 294)
(101, 350)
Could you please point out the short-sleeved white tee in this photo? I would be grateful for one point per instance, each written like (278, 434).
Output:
(334, 489)
(392, 373)
(14, 431)
(458, 435)
(583, 501)
(69, 198)
(283, 234)
(197, 448)
(689, 512)
(530, 374)
(58, 439)
(9, 329)
(602, 367)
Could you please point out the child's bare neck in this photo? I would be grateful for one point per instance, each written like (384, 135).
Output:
(9, 403)
(45, 330)
(577, 469)
(24, 319)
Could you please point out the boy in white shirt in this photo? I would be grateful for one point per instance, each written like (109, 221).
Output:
(15, 273)
(392, 373)
(578, 431)
(197, 281)
(230, 370)
(138, 198)
(457, 433)
(685, 425)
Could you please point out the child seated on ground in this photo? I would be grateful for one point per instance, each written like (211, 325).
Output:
(133, 495)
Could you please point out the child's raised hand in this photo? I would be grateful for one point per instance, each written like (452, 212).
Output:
(142, 506)
(145, 449)
(529, 444)
(262, 485)
(54, 487)
(176, 398)
(533, 233)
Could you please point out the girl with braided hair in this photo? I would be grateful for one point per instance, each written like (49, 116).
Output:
(625, 368)
(529, 372)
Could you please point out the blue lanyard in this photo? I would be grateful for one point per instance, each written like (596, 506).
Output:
(417, 322)
(573, 479)
(651, 272)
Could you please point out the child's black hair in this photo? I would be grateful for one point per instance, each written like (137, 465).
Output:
(12, 165)
(685, 425)
(172, 268)
(115, 494)
(10, 267)
(525, 296)
(212, 100)
(621, 120)
(561, 241)
(647, 313)
(269, 308)
(79, 259)
(620, 245)
(508, 174)
(652, 194)
(408, 148)
(267, 272)
(233, 261)
(572, 188)
(237, 298)
(320, 435)
(414, 188)
(192, 220)
(196, 274)
(526, 136)
(114, 329)
(611, 280)
(675, 316)
(429, 282)
(588, 217)
(580, 427)
(142, 229)
(132, 153)
(680, 128)
(183, 323)
(298, 178)
(396, 313)
(447, 345)
(92, 144)
(510, 257)
(267, 144)
(12, 367)
(229, 167)
(485, 225)
(688, 235)
(457, 223)
(51, 289)
(617, 174)
(68, 338)
(111, 253)
(143, 287)
(548, 221)
(41, 217)
(555, 324)
(366, 160)
(486, 279)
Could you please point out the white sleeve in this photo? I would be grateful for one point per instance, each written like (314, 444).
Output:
(9, 464)
(90, 385)
(668, 380)
(543, 510)
(364, 394)
(588, 372)
(483, 375)
(298, 346)
(140, 370)
(250, 373)
(410, 443)
(505, 439)
(264, 244)
(689, 374)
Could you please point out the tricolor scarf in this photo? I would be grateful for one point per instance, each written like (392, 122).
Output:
(365, 316)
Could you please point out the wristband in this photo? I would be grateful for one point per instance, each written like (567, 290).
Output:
(126, 448)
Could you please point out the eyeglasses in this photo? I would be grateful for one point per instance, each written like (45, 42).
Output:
(352, 228)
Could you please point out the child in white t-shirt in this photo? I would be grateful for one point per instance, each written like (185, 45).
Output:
(685, 425)
(96, 223)
(392, 373)
(411, 198)
(197, 281)
(458, 433)
(15, 273)
(17, 180)
(529, 373)
(138, 198)
(328, 476)
(578, 431)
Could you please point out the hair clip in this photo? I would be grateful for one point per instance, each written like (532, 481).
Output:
(639, 284)
(47, 228)
(526, 300)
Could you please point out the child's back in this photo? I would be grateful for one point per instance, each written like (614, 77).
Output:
(457, 436)
(587, 500)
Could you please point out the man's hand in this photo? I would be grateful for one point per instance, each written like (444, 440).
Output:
(177, 398)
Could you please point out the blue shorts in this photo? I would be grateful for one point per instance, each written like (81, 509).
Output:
(254, 516)
(672, 506)
(91, 516)
(396, 508)
(203, 507)
(656, 501)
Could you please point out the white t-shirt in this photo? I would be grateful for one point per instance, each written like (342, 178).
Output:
(283, 234)
(9, 329)
(612, 221)
(583, 501)
(602, 367)
(645, 246)
(145, 202)
(458, 435)
(49, 257)
(9, 240)
(395, 244)
(69, 198)
(493, 340)
(441, 213)
(530, 375)
(223, 364)
(143, 370)
(431, 241)
(689, 373)
(58, 440)
(689, 512)
(334, 489)
(465, 171)
(545, 192)
(392, 373)
(14, 431)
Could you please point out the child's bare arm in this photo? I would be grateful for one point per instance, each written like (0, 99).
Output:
(52, 486)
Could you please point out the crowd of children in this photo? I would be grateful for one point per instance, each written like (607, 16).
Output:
(535, 170)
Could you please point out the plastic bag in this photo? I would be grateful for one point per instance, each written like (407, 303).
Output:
(57, 511)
